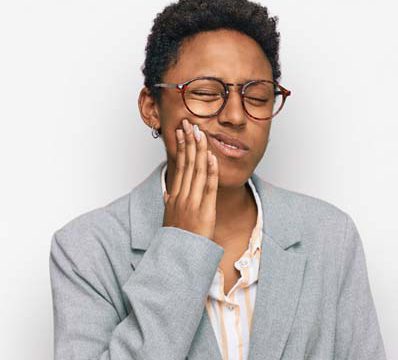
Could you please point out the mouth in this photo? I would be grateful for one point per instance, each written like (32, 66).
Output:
(228, 146)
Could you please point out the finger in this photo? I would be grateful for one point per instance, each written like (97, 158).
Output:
(180, 163)
(165, 196)
(200, 172)
(190, 154)
(210, 193)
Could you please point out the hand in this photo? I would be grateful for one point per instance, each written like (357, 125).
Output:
(191, 204)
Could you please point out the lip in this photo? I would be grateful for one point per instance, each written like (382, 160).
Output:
(229, 140)
(228, 151)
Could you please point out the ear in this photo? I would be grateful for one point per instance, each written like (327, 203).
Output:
(148, 109)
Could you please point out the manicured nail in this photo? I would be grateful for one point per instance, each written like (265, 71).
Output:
(180, 136)
(186, 126)
(196, 132)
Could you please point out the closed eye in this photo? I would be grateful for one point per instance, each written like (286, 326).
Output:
(261, 100)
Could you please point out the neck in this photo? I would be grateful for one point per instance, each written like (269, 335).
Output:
(232, 203)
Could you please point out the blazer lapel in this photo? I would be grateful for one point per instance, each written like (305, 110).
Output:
(146, 208)
(280, 273)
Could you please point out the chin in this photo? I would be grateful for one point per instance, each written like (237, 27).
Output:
(230, 177)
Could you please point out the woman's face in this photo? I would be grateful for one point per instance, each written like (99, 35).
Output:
(234, 58)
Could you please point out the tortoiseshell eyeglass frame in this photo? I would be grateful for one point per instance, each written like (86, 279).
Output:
(279, 90)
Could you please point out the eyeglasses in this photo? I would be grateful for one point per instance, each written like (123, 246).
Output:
(207, 96)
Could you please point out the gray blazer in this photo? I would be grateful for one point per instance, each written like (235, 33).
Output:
(126, 288)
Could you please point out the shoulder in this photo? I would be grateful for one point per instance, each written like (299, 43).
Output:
(321, 226)
(95, 234)
(328, 235)
(308, 210)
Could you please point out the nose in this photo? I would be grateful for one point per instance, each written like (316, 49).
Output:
(233, 112)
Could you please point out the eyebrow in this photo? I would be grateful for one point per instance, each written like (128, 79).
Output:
(242, 81)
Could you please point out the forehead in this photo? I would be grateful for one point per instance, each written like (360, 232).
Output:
(224, 53)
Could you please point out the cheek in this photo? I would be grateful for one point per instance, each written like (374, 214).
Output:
(171, 120)
(169, 125)
(170, 142)
(170, 137)
(261, 138)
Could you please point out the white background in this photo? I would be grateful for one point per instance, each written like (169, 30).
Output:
(71, 138)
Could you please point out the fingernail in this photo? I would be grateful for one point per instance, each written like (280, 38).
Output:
(196, 132)
(186, 126)
(180, 136)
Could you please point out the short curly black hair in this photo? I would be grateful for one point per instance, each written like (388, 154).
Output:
(186, 18)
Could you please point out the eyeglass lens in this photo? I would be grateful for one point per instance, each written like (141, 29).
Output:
(205, 97)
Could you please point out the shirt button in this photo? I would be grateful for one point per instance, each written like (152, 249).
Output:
(230, 307)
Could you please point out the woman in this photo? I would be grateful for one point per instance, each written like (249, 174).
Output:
(204, 259)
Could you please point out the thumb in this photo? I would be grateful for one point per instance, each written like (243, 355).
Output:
(165, 196)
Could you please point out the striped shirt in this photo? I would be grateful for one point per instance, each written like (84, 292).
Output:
(231, 314)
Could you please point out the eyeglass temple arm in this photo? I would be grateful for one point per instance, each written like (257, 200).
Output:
(284, 91)
(166, 85)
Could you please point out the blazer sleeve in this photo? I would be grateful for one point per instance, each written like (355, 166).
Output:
(358, 334)
(167, 293)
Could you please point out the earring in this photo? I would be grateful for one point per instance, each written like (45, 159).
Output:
(155, 133)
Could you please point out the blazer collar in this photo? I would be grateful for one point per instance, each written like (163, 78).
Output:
(146, 208)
